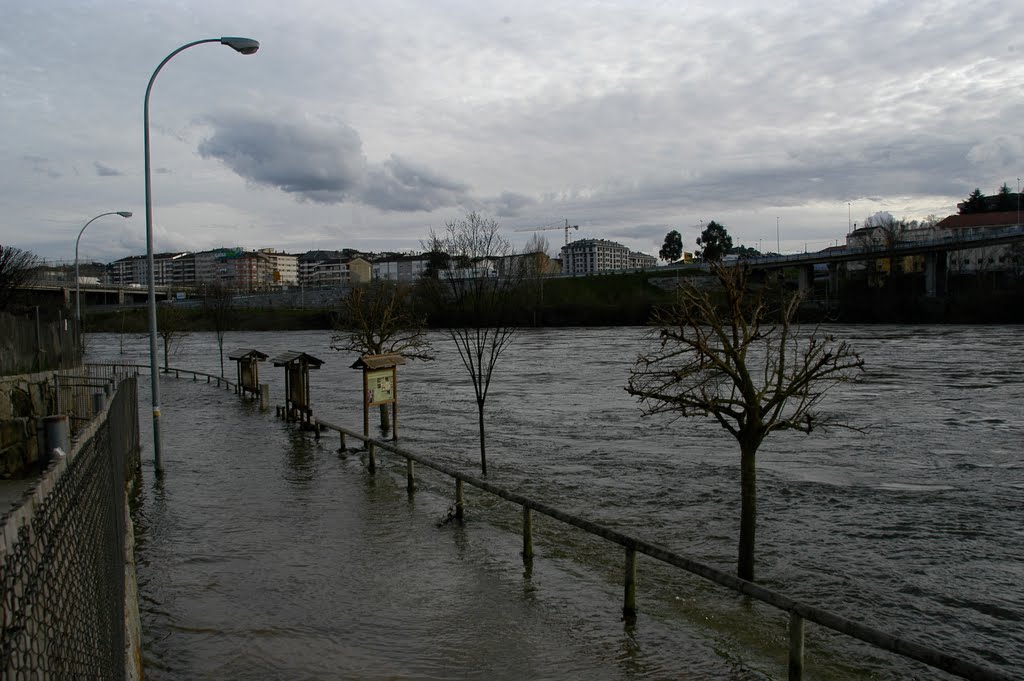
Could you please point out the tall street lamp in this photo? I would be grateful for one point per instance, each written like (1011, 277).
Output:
(243, 46)
(78, 291)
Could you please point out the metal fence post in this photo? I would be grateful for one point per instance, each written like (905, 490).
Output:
(796, 647)
(629, 595)
(460, 501)
(527, 535)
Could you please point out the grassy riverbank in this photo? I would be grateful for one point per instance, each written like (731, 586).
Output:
(607, 300)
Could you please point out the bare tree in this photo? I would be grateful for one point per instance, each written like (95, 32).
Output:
(739, 358)
(379, 318)
(171, 328)
(219, 306)
(477, 277)
(17, 270)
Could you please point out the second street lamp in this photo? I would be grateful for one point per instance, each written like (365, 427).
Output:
(242, 46)
(78, 292)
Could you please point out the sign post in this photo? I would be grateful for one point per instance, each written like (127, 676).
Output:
(380, 386)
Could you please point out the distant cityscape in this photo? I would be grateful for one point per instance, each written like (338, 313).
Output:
(267, 269)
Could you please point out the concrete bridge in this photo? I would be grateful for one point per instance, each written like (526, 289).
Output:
(63, 293)
(935, 252)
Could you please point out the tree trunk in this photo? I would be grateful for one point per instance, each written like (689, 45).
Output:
(483, 443)
(166, 344)
(748, 512)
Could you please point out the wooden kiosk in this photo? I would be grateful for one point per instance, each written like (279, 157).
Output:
(248, 383)
(380, 386)
(297, 406)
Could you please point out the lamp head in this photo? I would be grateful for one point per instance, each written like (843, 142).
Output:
(242, 45)
(124, 213)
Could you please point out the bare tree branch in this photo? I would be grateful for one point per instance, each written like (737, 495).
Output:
(735, 354)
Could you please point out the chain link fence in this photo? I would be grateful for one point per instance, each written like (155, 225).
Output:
(62, 556)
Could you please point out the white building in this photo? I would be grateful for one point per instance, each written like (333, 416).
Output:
(403, 268)
(284, 267)
(586, 256)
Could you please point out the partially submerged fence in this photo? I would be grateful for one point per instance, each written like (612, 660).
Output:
(798, 612)
(62, 556)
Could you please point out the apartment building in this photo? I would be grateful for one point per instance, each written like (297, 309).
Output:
(403, 268)
(587, 256)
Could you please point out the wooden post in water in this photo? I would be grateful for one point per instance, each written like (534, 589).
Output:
(460, 501)
(796, 647)
(527, 535)
(371, 452)
(629, 596)
(264, 396)
(410, 482)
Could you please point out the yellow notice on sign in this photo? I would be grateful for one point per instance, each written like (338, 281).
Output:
(380, 386)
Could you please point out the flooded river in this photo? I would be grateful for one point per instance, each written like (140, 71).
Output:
(264, 554)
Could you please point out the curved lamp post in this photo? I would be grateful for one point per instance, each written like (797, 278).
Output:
(243, 46)
(78, 292)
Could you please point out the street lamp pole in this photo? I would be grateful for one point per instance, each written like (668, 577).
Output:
(243, 46)
(78, 292)
(778, 239)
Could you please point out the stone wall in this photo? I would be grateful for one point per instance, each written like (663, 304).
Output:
(24, 400)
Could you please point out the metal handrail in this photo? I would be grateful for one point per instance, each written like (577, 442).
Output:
(797, 610)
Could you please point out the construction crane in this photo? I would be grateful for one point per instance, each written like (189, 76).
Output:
(566, 226)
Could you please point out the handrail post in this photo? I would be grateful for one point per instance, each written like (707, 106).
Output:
(410, 481)
(629, 590)
(527, 535)
(343, 447)
(460, 501)
(371, 452)
(796, 647)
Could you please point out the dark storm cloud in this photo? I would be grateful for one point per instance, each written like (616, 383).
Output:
(324, 162)
(106, 171)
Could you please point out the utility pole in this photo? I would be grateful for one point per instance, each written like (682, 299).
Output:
(778, 239)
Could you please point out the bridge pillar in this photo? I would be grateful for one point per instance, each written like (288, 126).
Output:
(833, 279)
(935, 274)
(806, 279)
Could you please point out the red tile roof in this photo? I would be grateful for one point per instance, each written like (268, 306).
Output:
(1003, 219)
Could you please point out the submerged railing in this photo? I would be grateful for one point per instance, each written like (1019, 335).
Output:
(798, 612)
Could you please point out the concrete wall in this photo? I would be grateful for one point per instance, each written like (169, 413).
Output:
(24, 400)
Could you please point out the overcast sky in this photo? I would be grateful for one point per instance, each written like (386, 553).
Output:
(364, 125)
